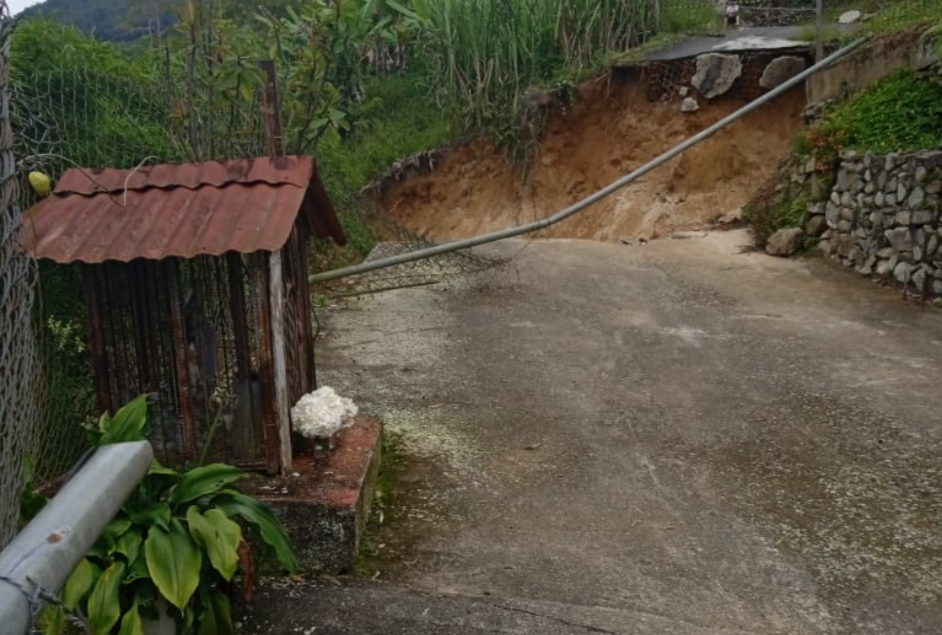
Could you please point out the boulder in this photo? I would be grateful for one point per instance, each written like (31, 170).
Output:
(784, 242)
(716, 74)
(780, 70)
(816, 226)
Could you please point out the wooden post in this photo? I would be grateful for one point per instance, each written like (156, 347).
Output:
(277, 296)
(271, 109)
(266, 363)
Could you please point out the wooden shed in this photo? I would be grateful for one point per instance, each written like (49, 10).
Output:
(195, 279)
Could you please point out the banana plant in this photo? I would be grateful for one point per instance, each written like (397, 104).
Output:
(179, 546)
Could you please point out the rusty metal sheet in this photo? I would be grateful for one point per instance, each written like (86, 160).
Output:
(196, 212)
(293, 170)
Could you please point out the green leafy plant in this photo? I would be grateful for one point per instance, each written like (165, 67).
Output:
(179, 547)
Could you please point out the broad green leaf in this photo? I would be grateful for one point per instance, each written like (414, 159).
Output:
(117, 527)
(131, 623)
(207, 622)
(203, 481)
(223, 614)
(158, 515)
(51, 620)
(104, 604)
(157, 468)
(238, 504)
(174, 562)
(218, 536)
(137, 571)
(79, 583)
(127, 424)
(129, 544)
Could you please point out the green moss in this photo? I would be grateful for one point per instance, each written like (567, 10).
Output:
(386, 508)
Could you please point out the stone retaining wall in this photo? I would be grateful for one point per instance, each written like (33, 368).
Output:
(882, 218)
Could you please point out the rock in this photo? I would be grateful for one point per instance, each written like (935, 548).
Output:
(937, 287)
(689, 105)
(879, 199)
(934, 187)
(933, 245)
(881, 180)
(784, 242)
(816, 226)
(902, 272)
(890, 200)
(836, 197)
(845, 226)
(684, 91)
(849, 17)
(810, 166)
(919, 277)
(876, 220)
(890, 163)
(716, 74)
(866, 268)
(870, 188)
(847, 213)
(921, 174)
(900, 238)
(886, 252)
(780, 70)
(904, 217)
(885, 267)
(923, 217)
(833, 214)
(847, 199)
(916, 198)
(843, 245)
(901, 192)
(917, 253)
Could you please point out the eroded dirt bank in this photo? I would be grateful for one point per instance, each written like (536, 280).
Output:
(613, 128)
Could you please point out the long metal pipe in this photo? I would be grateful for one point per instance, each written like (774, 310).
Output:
(444, 248)
(43, 555)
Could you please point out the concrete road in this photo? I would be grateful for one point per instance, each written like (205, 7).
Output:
(772, 38)
(678, 438)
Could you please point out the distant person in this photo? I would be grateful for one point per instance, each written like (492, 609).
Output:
(732, 15)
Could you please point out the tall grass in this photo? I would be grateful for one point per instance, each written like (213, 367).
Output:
(488, 53)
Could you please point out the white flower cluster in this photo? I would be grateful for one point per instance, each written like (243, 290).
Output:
(318, 415)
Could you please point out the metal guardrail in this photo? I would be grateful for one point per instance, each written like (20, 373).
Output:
(41, 557)
(605, 192)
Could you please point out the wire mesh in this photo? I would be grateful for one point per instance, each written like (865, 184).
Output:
(18, 358)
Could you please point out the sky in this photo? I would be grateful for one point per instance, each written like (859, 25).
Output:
(18, 5)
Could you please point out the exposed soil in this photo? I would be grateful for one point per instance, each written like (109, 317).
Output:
(613, 129)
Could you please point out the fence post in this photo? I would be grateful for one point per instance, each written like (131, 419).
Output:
(43, 555)
(819, 31)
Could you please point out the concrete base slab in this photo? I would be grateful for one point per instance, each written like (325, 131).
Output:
(325, 503)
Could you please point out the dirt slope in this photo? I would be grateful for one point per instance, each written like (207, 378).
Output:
(613, 129)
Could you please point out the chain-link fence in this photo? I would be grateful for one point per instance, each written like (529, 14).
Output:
(18, 359)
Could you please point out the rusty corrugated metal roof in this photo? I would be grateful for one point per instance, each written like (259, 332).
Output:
(183, 210)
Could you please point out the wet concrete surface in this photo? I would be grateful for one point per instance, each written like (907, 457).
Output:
(679, 438)
(736, 40)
